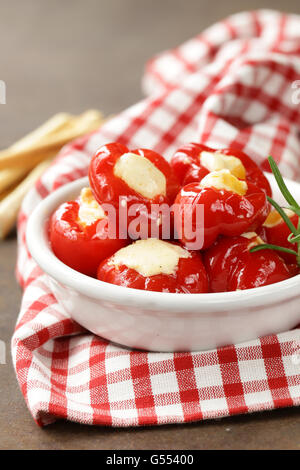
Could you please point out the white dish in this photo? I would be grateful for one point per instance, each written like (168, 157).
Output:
(161, 321)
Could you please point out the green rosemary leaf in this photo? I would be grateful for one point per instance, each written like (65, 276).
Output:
(281, 184)
(283, 215)
(293, 238)
(267, 246)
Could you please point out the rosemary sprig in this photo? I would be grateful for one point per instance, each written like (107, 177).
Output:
(294, 239)
(283, 215)
(281, 184)
(298, 250)
(268, 246)
(294, 236)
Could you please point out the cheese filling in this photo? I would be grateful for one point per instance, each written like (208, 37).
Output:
(224, 179)
(89, 209)
(141, 175)
(274, 218)
(255, 239)
(215, 161)
(150, 257)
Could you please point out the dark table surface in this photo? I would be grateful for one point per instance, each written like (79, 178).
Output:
(71, 56)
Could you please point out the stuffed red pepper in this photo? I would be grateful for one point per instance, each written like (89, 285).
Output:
(156, 265)
(193, 162)
(136, 179)
(276, 232)
(79, 234)
(231, 266)
(230, 207)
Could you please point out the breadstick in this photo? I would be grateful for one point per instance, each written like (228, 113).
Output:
(7, 191)
(8, 176)
(10, 205)
(55, 124)
(38, 147)
(87, 122)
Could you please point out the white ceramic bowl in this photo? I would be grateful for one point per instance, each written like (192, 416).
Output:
(160, 321)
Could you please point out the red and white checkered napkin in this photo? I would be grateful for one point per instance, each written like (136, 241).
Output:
(231, 85)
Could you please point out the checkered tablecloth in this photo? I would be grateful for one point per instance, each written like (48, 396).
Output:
(234, 84)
